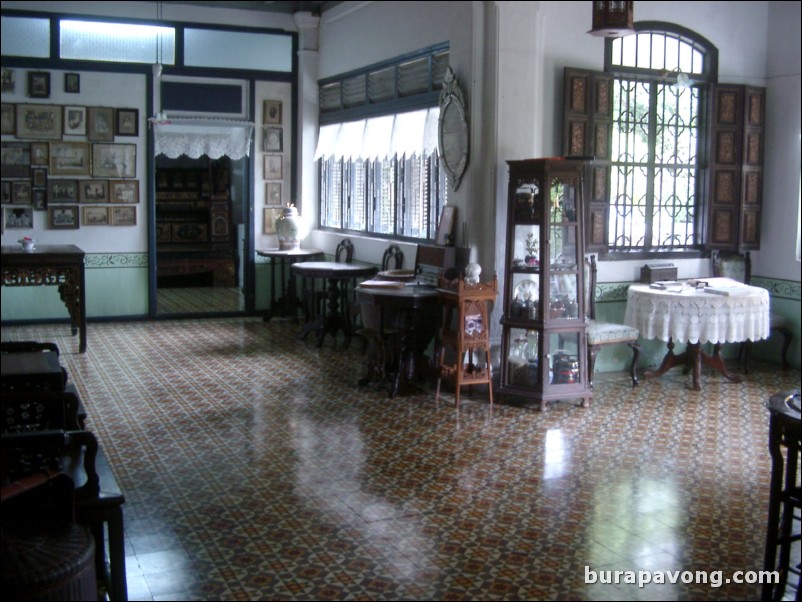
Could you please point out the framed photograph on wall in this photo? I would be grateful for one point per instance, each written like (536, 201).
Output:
(15, 159)
(272, 140)
(114, 160)
(75, 121)
(96, 216)
(8, 119)
(271, 214)
(39, 198)
(93, 191)
(69, 159)
(39, 122)
(40, 153)
(18, 217)
(273, 193)
(8, 81)
(21, 193)
(127, 123)
(62, 191)
(123, 216)
(39, 177)
(63, 217)
(124, 191)
(445, 226)
(38, 84)
(72, 83)
(273, 170)
(100, 124)
(272, 112)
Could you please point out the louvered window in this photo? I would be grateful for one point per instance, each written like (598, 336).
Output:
(379, 168)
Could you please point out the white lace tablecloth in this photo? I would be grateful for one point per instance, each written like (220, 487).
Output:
(697, 316)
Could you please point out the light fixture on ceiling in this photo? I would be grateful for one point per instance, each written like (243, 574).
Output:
(612, 19)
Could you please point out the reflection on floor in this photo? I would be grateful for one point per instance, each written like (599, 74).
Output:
(255, 468)
(200, 300)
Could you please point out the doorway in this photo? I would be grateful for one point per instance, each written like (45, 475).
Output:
(201, 209)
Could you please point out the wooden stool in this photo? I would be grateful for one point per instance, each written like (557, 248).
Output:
(466, 329)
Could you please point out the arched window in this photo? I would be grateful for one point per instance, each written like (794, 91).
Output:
(659, 76)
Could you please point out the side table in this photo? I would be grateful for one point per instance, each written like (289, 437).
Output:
(466, 330)
(281, 261)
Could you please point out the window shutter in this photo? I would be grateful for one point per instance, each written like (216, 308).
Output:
(735, 178)
(587, 132)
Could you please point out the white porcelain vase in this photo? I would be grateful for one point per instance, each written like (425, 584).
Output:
(288, 228)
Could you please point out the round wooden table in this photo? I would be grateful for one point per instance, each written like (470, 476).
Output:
(336, 315)
(287, 303)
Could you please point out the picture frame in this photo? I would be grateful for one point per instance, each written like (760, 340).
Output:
(15, 159)
(93, 191)
(70, 159)
(273, 167)
(39, 199)
(5, 192)
(74, 121)
(21, 193)
(72, 83)
(273, 193)
(123, 215)
(272, 139)
(39, 177)
(62, 191)
(18, 218)
(271, 113)
(126, 122)
(40, 153)
(63, 217)
(271, 214)
(445, 226)
(124, 191)
(8, 81)
(38, 84)
(100, 124)
(96, 216)
(114, 160)
(39, 122)
(8, 118)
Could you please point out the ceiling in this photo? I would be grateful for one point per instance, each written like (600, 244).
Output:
(280, 6)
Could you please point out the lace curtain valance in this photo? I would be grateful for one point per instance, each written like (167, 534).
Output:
(194, 138)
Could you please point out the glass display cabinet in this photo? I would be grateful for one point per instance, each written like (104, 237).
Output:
(543, 355)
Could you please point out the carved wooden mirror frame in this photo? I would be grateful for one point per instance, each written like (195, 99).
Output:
(452, 133)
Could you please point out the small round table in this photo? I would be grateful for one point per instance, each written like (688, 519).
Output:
(695, 316)
(335, 317)
(279, 258)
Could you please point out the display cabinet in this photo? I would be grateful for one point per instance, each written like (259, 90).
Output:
(543, 355)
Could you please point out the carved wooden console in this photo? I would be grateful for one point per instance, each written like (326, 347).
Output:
(54, 265)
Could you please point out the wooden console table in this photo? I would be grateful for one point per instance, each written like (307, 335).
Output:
(55, 265)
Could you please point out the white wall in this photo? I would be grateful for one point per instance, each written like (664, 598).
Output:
(776, 258)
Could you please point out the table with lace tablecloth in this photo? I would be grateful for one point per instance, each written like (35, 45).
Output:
(696, 316)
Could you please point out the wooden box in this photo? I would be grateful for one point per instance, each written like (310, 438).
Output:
(652, 272)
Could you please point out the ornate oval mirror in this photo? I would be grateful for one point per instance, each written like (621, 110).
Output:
(453, 129)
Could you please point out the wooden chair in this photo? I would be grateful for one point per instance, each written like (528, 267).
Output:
(601, 334)
(739, 267)
(393, 258)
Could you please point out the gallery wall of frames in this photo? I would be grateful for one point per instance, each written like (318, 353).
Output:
(67, 163)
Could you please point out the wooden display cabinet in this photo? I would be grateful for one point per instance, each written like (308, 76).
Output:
(543, 354)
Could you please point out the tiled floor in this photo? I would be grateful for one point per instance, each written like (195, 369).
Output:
(255, 468)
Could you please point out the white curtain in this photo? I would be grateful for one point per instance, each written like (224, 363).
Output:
(197, 137)
(412, 133)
